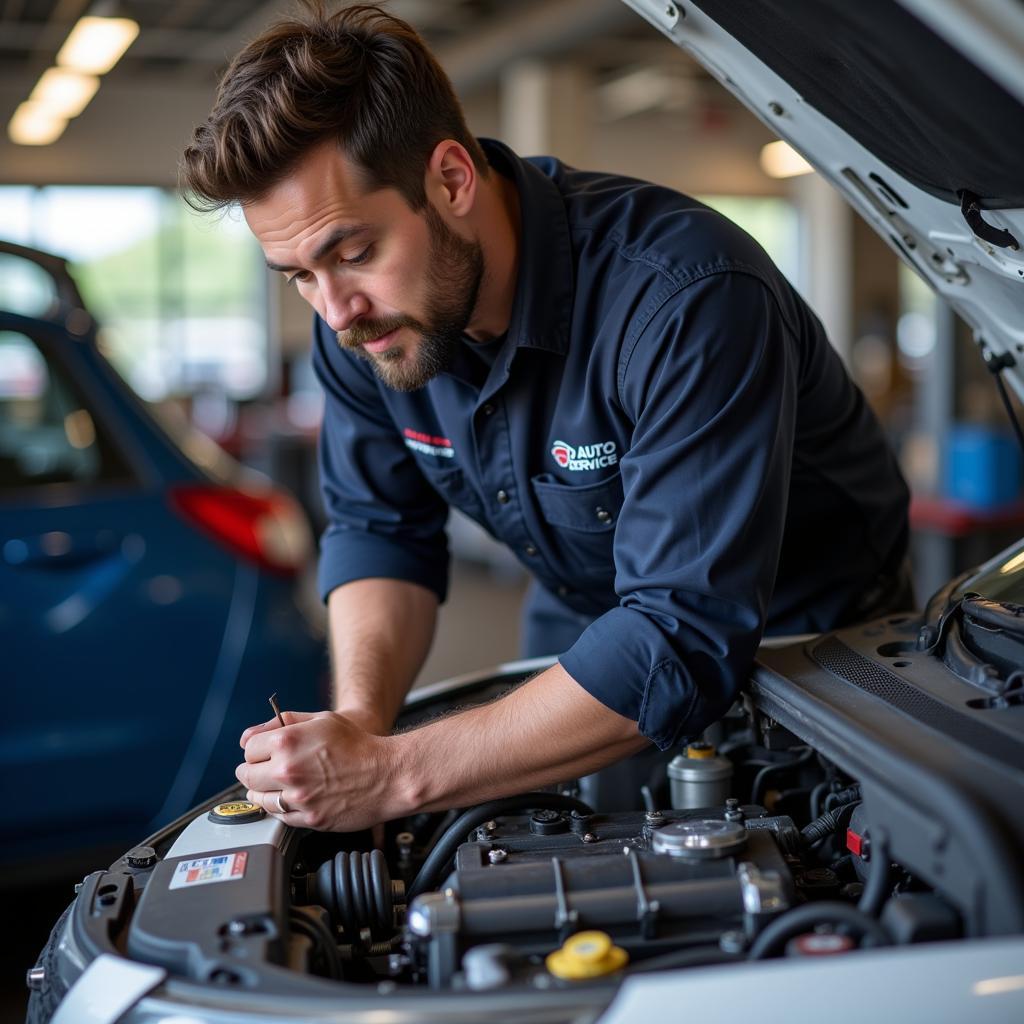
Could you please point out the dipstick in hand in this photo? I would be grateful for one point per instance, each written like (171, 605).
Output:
(277, 711)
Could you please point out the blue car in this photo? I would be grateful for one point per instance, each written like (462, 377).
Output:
(151, 594)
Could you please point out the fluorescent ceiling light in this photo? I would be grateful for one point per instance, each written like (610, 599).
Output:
(96, 44)
(35, 125)
(781, 160)
(65, 92)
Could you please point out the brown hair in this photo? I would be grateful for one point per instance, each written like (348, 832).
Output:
(358, 75)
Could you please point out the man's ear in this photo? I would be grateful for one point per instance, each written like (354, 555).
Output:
(451, 178)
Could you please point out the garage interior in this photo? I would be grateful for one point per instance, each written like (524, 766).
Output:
(198, 327)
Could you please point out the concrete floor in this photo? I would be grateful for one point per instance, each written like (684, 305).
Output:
(478, 627)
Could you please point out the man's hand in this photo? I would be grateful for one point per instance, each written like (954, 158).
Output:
(334, 775)
(329, 773)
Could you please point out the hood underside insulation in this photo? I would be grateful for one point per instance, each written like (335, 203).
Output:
(892, 84)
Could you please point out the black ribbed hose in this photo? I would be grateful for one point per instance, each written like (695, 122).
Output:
(828, 823)
(356, 889)
(821, 827)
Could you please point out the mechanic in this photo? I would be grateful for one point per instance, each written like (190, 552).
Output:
(611, 378)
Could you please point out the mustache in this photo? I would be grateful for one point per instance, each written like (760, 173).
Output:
(370, 330)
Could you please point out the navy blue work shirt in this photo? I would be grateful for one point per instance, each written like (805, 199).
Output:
(665, 439)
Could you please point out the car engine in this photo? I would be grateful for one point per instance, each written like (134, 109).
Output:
(865, 792)
(746, 845)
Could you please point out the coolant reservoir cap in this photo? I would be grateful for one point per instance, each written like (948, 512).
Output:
(704, 839)
(700, 751)
(586, 955)
(236, 812)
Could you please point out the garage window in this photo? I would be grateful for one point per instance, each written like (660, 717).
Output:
(182, 299)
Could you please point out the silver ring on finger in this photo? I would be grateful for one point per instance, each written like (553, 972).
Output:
(282, 808)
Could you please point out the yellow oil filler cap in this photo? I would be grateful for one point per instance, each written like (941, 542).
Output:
(236, 812)
(586, 955)
(700, 751)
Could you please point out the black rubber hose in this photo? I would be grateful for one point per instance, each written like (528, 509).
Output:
(877, 886)
(439, 830)
(821, 827)
(380, 887)
(323, 941)
(809, 916)
(356, 889)
(433, 867)
(826, 825)
(340, 903)
(817, 794)
(756, 793)
(357, 894)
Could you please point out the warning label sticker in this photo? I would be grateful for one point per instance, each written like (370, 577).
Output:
(206, 870)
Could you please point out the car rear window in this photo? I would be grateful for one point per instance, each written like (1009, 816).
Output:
(48, 433)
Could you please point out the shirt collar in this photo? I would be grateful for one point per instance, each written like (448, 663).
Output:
(544, 286)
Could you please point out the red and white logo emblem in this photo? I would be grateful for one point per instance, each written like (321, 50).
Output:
(428, 444)
(583, 457)
(563, 452)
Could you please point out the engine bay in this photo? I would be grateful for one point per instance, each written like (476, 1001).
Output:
(749, 844)
(863, 794)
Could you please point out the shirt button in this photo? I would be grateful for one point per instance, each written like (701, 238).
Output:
(487, 409)
(603, 515)
(563, 591)
(530, 550)
(502, 497)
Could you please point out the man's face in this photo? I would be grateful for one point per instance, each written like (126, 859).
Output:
(398, 287)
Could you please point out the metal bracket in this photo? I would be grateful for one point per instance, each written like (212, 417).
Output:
(646, 909)
(762, 891)
(970, 207)
(660, 13)
(565, 918)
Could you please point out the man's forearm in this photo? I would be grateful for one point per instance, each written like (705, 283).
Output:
(546, 731)
(334, 775)
(380, 633)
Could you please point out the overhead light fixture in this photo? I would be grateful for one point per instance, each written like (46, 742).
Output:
(34, 124)
(64, 91)
(781, 160)
(96, 44)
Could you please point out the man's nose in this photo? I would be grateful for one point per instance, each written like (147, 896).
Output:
(342, 306)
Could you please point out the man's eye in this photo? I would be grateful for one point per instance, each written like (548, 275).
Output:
(301, 276)
(361, 257)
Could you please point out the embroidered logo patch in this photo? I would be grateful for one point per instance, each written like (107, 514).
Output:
(579, 458)
(428, 444)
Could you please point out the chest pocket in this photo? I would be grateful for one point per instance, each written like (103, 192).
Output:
(452, 485)
(584, 517)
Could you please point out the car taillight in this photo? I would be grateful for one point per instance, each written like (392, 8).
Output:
(267, 527)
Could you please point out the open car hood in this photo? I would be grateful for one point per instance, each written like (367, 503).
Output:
(913, 109)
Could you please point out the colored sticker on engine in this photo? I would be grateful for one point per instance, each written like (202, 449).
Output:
(207, 870)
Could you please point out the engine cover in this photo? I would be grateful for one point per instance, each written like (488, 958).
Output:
(652, 881)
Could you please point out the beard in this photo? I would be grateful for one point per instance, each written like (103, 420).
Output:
(455, 269)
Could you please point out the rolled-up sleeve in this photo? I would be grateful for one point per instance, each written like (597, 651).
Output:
(710, 383)
(384, 519)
